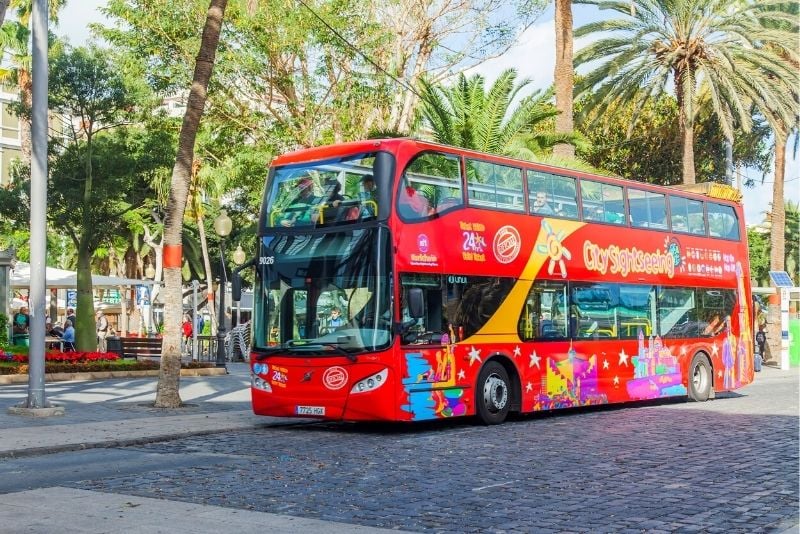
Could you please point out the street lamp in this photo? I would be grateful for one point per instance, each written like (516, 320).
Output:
(239, 258)
(150, 274)
(222, 226)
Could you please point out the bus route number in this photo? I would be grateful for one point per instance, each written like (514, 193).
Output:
(266, 260)
(456, 279)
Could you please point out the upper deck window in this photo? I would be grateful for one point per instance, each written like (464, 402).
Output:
(602, 202)
(722, 221)
(333, 192)
(648, 209)
(687, 215)
(552, 195)
(494, 186)
(431, 184)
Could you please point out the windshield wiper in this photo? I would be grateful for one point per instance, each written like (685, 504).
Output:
(335, 346)
(263, 354)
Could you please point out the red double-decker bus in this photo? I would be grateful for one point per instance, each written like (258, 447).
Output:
(402, 280)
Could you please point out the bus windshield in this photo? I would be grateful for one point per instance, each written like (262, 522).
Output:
(324, 293)
(322, 194)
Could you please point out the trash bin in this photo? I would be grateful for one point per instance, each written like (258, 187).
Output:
(21, 339)
(757, 362)
(114, 344)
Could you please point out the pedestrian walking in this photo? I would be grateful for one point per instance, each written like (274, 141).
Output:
(761, 341)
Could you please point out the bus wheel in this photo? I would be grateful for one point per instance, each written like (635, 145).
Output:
(492, 397)
(699, 379)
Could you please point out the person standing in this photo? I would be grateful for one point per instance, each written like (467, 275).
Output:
(101, 325)
(71, 316)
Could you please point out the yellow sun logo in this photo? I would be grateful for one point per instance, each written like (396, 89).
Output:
(554, 249)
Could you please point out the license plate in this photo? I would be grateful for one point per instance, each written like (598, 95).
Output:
(311, 410)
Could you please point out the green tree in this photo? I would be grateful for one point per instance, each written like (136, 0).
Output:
(649, 149)
(14, 42)
(758, 247)
(469, 115)
(91, 95)
(726, 49)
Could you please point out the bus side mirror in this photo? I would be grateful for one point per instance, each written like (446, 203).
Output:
(236, 287)
(415, 303)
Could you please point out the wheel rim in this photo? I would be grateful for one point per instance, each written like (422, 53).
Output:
(495, 393)
(700, 377)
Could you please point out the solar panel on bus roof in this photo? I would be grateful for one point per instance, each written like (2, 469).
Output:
(781, 279)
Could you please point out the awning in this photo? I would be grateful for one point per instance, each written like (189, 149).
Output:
(60, 278)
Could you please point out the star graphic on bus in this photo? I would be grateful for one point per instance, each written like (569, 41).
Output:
(623, 358)
(554, 249)
(517, 351)
(528, 387)
(474, 355)
(605, 364)
(534, 359)
(461, 374)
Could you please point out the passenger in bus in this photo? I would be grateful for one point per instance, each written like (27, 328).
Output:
(412, 204)
(332, 212)
(302, 208)
(367, 196)
(541, 206)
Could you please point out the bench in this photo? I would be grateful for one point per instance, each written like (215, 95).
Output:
(140, 347)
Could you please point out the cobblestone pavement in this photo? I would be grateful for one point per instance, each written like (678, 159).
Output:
(728, 465)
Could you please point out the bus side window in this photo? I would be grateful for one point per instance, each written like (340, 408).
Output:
(544, 316)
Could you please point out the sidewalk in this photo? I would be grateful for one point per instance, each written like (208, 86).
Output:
(118, 411)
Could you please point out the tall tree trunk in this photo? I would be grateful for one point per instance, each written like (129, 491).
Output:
(167, 391)
(25, 86)
(686, 126)
(85, 333)
(564, 76)
(778, 245)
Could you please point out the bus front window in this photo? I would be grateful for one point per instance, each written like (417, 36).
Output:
(324, 293)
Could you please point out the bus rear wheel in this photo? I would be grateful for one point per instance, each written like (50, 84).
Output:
(493, 396)
(699, 379)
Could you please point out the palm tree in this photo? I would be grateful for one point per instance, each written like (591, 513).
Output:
(563, 76)
(469, 116)
(167, 392)
(723, 47)
(14, 36)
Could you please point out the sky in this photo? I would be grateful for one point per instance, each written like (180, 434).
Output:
(533, 56)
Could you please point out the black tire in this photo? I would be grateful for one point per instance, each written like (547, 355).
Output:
(493, 394)
(700, 378)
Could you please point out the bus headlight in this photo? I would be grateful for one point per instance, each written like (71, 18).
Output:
(371, 383)
(259, 383)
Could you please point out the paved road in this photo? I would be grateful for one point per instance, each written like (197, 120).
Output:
(729, 465)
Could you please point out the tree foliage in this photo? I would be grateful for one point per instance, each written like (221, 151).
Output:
(470, 115)
(650, 150)
(725, 51)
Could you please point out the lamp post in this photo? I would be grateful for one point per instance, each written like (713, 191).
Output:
(150, 274)
(239, 258)
(222, 226)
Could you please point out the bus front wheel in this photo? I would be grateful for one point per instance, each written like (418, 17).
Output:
(700, 379)
(493, 395)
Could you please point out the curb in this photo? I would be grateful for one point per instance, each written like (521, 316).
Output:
(103, 375)
(69, 447)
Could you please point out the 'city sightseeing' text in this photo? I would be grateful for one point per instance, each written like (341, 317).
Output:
(624, 261)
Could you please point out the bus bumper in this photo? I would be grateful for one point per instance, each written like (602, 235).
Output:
(353, 392)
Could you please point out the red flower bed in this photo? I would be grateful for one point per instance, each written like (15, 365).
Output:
(70, 357)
